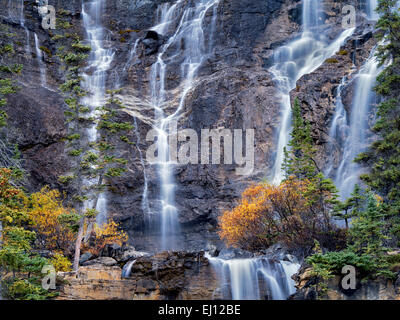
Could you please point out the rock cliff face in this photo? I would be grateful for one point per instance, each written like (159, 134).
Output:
(377, 289)
(233, 89)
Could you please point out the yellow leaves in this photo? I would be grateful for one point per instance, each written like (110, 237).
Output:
(240, 226)
(110, 231)
(106, 234)
(8, 219)
(12, 200)
(379, 200)
(61, 263)
(46, 208)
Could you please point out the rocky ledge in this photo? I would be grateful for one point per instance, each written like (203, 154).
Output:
(163, 276)
(376, 289)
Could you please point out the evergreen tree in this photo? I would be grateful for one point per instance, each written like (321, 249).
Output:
(367, 235)
(383, 156)
(93, 164)
(367, 229)
(300, 162)
(351, 206)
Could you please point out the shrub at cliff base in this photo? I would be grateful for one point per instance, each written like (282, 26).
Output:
(268, 214)
(37, 222)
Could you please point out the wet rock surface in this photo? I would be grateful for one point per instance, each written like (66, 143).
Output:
(317, 91)
(234, 89)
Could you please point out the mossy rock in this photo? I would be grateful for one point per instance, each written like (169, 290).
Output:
(46, 50)
(332, 60)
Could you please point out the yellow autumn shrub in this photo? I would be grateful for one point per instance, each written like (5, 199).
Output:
(61, 263)
(46, 215)
(106, 234)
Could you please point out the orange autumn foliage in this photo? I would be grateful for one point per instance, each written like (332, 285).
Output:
(267, 214)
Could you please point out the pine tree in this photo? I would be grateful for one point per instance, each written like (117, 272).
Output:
(90, 161)
(300, 162)
(383, 156)
(351, 206)
(367, 234)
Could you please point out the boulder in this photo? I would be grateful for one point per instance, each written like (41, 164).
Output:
(85, 257)
(105, 261)
(132, 254)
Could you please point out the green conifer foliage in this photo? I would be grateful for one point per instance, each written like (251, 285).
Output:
(383, 156)
(300, 162)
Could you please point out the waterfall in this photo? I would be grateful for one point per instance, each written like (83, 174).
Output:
(187, 42)
(145, 198)
(132, 55)
(94, 81)
(255, 279)
(15, 12)
(348, 172)
(39, 57)
(371, 6)
(292, 61)
(337, 132)
(351, 131)
(310, 14)
(126, 270)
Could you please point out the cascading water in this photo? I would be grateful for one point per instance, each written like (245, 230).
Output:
(255, 279)
(39, 58)
(15, 12)
(126, 270)
(187, 42)
(351, 131)
(337, 132)
(371, 6)
(348, 172)
(145, 199)
(94, 81)
(292, 61)
(131, 57)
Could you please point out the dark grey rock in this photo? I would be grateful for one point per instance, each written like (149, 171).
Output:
(85, 257)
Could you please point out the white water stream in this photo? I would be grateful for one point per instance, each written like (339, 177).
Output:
(41, 65)
(188, 42)
(292, 61)
(351, 130)
(255, 279)
(357, 127)
(94, 81)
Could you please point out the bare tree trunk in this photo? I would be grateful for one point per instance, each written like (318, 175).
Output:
(90, 226)
(78, 244)
(1, 233)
